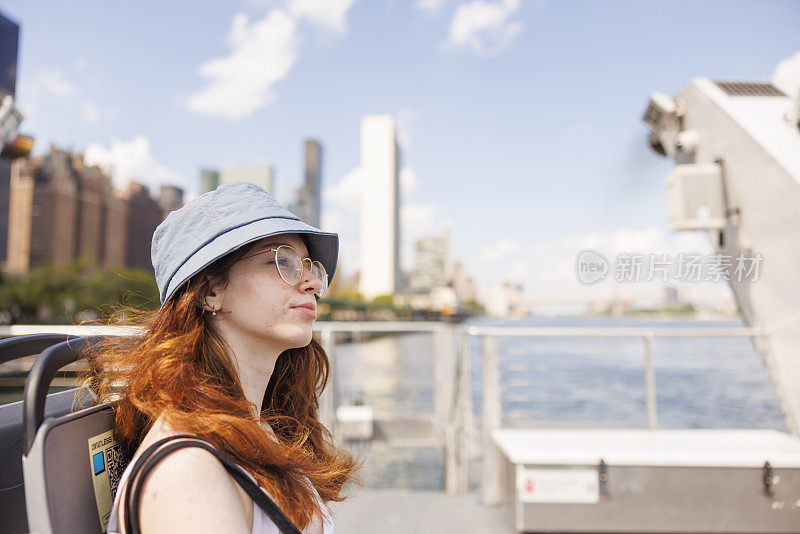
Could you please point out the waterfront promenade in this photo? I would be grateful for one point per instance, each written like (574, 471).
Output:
(396, 511)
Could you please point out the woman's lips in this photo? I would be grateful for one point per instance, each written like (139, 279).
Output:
(307, 311)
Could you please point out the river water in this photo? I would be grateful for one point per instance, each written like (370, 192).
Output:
(700, 383)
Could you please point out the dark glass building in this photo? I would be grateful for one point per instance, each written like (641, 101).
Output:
(9, 42)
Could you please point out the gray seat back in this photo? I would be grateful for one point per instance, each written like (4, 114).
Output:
(71, 463)
(72, 471)
(13, 519)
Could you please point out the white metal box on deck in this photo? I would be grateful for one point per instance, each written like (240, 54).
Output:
(639, 480)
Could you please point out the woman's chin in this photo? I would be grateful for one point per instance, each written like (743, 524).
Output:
(302, 339)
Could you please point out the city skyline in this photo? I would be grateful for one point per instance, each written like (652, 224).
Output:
(527, 133)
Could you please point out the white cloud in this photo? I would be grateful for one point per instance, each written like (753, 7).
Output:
(405, 120)
(346, 192)
(341, 203)
(90, 113)
(546, 269)
(787, 76)
(416, 220)
(332, 221)
(485, 28)
(53, 82)
(432, 7)
(27, 99)
(36, 93)
(408, 182)
(329, 14)
(132, 160)
(504, 246)
(345, 224)
(263, 53)
(645, 240)
(93, 114)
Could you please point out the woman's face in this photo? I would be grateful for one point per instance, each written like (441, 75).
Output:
(258, 304)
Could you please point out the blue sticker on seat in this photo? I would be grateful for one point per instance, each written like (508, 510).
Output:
(98, 463)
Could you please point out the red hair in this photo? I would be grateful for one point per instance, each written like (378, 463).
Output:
(181, 367)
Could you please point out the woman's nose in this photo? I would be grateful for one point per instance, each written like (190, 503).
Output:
(310, 282)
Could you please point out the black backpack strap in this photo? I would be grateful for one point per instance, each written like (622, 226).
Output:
(154, 453)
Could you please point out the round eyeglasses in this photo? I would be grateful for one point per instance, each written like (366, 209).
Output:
(291, 267)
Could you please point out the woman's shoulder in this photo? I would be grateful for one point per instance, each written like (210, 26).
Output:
(190, 490)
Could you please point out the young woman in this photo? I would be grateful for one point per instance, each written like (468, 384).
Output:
(228, 357)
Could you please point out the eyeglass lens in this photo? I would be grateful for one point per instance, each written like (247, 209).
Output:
(290, 267)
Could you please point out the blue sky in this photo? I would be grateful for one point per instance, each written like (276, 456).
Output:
(520, 121)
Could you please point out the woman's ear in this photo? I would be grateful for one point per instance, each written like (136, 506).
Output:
(212, 301)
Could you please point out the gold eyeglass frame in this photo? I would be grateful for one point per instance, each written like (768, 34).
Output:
(303, 268)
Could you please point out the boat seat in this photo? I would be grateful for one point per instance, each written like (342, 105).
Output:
(13, 519)
(70, 461)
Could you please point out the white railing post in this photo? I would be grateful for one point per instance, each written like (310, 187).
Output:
(650, 381)
(492, 414)
(452, 424)
(444, 376)
(450, 459)
(465, 414)
(327, 399)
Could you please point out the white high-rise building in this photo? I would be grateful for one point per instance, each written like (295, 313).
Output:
(261, 175)
(379, 264)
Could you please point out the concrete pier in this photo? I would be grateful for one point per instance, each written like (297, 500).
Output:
(400, 511)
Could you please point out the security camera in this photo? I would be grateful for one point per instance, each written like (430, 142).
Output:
(661, 113)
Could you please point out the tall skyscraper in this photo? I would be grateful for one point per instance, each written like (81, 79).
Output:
(209, 180)
(170, 198)
(261, 175)
(9, 40)
(311, 193)
(379, 224)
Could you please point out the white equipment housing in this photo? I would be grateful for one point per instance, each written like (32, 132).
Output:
(695, 197)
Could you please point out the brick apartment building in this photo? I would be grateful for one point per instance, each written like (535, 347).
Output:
(61, 209)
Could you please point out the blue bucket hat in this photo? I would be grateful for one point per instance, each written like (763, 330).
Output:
(219, 222)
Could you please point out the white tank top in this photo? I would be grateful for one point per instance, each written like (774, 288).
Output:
(262, 524)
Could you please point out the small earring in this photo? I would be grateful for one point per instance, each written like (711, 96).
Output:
(213, 310)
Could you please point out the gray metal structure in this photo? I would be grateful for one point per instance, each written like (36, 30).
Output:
(737, 150)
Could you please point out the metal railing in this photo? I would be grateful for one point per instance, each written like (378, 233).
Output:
(453, 410)
(491, 387)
